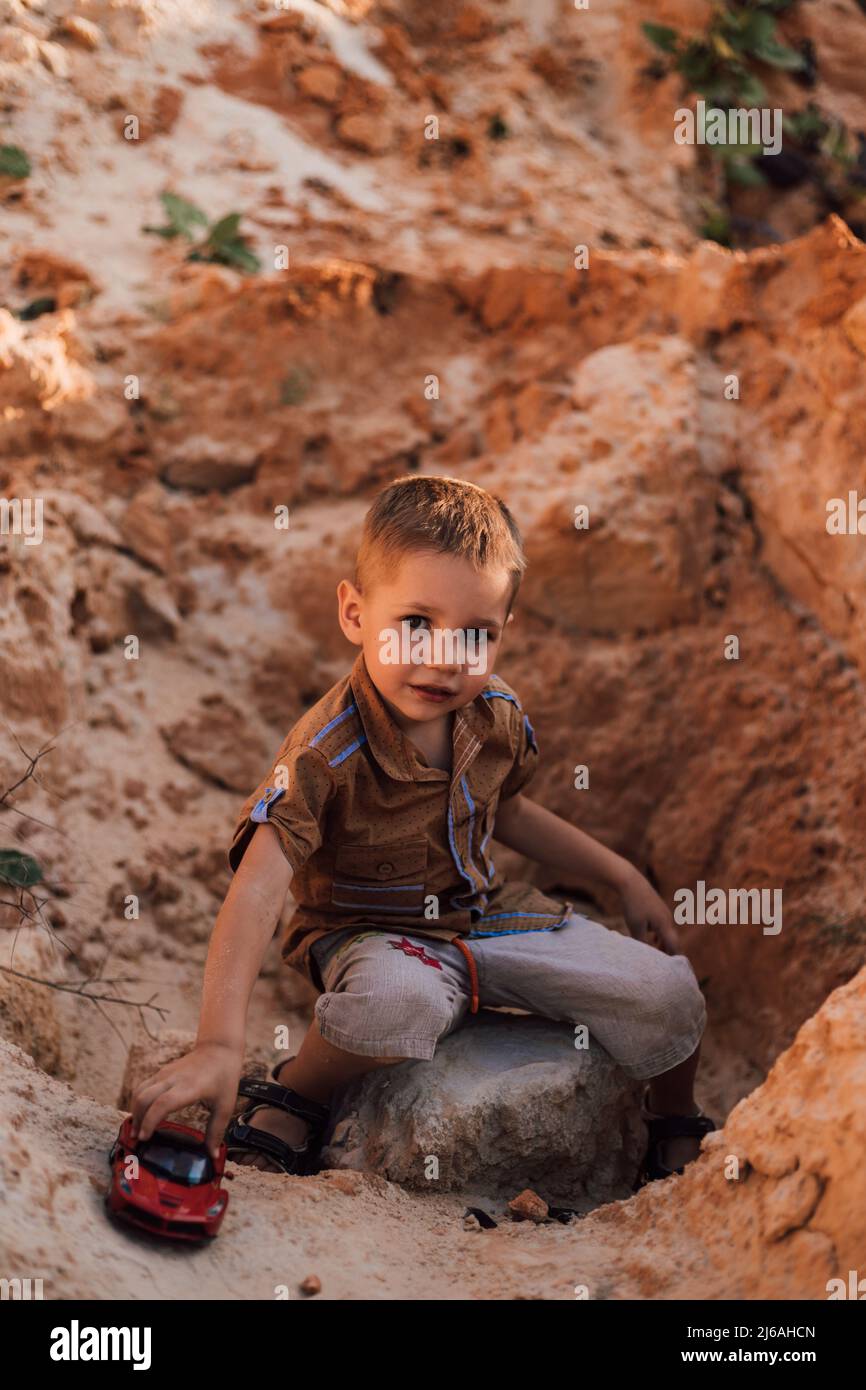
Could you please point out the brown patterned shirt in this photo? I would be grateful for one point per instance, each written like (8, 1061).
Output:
(379, 839)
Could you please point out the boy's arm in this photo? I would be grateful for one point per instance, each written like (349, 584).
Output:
(242, 933)
(532, 830)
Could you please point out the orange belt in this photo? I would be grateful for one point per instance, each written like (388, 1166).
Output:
(473, 973)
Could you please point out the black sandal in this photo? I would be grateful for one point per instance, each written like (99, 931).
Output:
(662, 1127)
(242, 1137)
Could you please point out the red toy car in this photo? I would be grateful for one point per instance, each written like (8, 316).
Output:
(173, 1188)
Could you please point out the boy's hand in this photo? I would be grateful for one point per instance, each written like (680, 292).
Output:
(647, 917)
(210, 1073)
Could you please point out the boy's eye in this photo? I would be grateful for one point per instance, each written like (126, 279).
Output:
(413, 618)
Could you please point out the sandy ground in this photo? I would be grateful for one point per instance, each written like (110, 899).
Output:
(410, 256)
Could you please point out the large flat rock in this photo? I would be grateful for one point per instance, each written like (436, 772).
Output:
(507, 1102)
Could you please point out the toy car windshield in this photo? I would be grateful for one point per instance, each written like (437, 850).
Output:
(172, 1160)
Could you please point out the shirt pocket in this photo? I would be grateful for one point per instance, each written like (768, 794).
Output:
(383, 879)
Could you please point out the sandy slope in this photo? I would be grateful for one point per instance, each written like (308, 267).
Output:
(410, 257)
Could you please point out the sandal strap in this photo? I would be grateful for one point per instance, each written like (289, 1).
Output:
(283, 1098)
(244, 1137)
(679, 1127)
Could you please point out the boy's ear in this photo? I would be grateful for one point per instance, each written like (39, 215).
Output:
(349, 608)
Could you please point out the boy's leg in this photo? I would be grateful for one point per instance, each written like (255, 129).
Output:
(672, 1093)
(643, 1006)
(389, 997)
(320, 1067)
(315, 1072)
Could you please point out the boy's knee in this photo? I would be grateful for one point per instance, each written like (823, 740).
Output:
(388, 1029)
(680, 997)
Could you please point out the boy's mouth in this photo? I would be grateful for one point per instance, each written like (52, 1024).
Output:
(436, 693)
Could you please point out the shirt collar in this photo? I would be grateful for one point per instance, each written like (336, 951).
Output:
(386, 739)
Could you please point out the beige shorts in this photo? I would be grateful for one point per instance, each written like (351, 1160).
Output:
(391, 993)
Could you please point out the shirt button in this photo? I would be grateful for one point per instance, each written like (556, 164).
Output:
(386, 868)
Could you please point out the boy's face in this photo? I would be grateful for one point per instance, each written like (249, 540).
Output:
(430, 631)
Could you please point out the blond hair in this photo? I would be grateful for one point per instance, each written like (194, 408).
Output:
(445, 516)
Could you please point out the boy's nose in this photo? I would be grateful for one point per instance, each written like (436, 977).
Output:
(443, 668)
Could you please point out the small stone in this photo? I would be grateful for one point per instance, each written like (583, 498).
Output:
(311, 1285)
(82, 30)
(321, 82)
(528, 1206)
(471, 1223)
(54, 57)
(202, 465)
(17, 46)
(365, 132)
(145, 529)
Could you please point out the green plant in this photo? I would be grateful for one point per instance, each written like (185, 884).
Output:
(224, 244)
(14, 162)
(719, 64)
(814, 131)
(222, 241)
(182, 218)
(725, 66)
(716, 225)
(45, 305)
(18, 870)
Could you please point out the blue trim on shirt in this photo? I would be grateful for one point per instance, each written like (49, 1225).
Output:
(503, 695)
(455, 900)
(471, 804)
(350, 709)
(497, 916)
(378, 907)
(516, 931)
(352, 748)
(259, 813)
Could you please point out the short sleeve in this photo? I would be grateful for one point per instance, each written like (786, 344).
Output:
(293, 799)
(525, 760)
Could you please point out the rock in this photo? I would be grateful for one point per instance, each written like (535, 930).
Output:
(42, 274)
(507, 1100)
(215, 739)
(54, 57)
(87, 521)
(82, 30)
(365, 131)
(854, 324)
(203, 464)
(153, 613)
(17, 46)
(322, 82)
(146, 529)
(790, 1205)
(528, 1206)
(311, 1285)
(471, 24)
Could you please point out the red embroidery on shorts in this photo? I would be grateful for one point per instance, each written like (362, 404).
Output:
(408, 949)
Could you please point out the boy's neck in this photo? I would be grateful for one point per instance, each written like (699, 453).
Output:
(432, 737)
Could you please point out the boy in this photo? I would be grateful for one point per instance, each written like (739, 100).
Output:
(379, 812)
